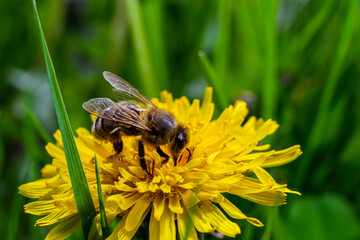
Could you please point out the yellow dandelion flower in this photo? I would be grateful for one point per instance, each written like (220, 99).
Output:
(223, 156)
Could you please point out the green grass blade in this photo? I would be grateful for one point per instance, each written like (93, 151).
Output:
(154, 13)
(79, 183)
(213, 79)
(104, 225)
(149, 82)
(297, 45)
(270, 86)
(221, 51)
(321, 122)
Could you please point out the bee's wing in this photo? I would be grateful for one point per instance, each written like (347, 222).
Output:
(97, 107)
(107, 109)
(124, 90)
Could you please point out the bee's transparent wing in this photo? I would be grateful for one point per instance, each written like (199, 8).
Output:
(125, 91)
(97, 107)
(108, 109)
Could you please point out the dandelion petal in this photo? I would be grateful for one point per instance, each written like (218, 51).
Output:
(219, 220)
(64, 229)
(136, 213)
(185, 227)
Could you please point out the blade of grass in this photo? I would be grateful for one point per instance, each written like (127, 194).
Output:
(154, 11)
(270, 86)
(149, 82)
(295, 48)
(118, 37)
(213, 79)
(78, 180)
(221, 51)
(104, 225)
(247, 50)
(335, 69)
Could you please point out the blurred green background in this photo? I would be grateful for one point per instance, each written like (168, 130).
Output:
(295, 61)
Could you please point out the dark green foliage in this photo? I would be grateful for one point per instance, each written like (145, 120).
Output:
(293, 61)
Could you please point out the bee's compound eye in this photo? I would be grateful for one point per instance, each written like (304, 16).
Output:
(181, 137)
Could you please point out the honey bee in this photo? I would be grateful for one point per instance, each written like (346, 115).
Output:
(135, 115)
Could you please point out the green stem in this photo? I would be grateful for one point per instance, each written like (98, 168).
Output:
(104, 225)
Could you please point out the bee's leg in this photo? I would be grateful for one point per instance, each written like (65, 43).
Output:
(162, 154)
(115, 138)
(153, 167)
(189, 155)
(142, 157)
(180, 158)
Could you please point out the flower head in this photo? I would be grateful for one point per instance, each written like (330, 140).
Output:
(222, 156)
